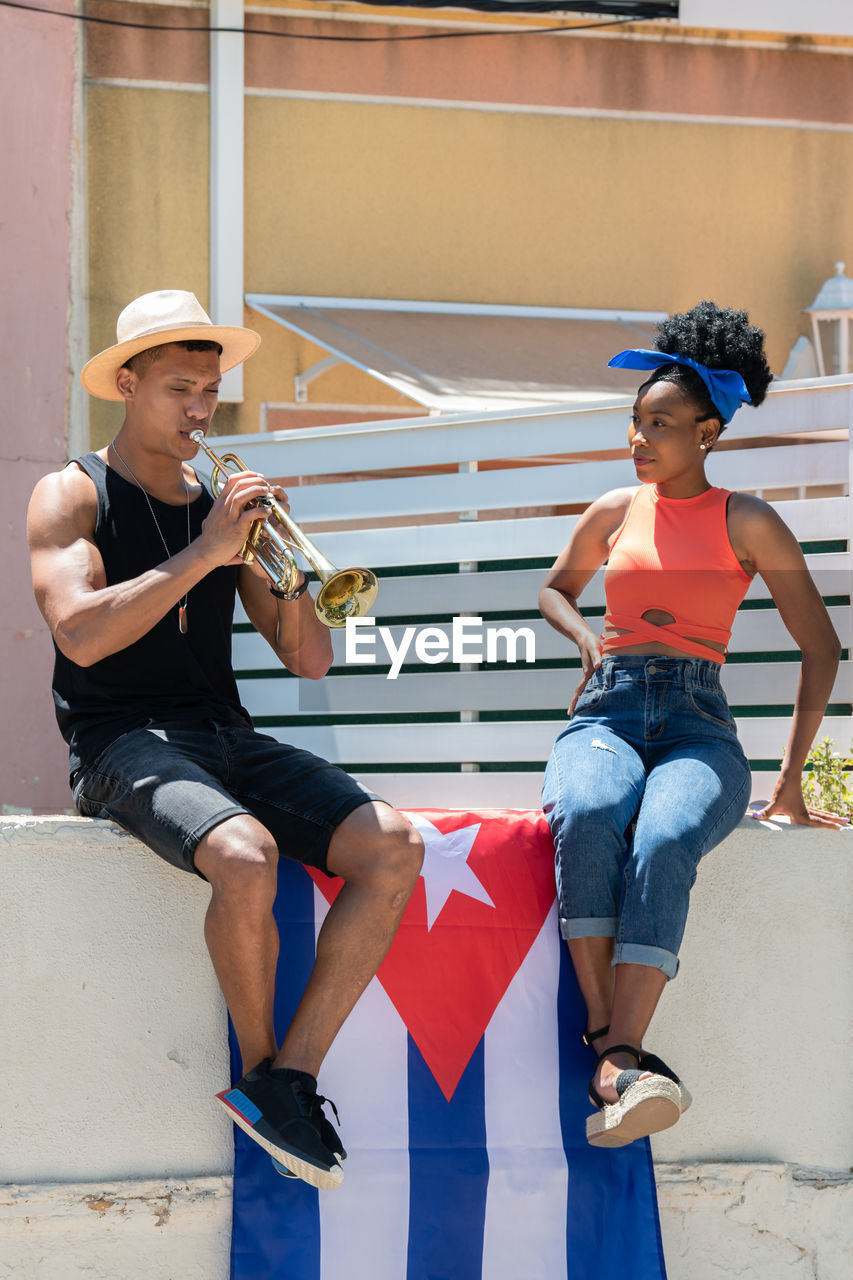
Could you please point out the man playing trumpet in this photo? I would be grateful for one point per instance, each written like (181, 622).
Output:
(135, 569)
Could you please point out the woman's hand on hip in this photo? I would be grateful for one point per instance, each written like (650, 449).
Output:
(590, 653)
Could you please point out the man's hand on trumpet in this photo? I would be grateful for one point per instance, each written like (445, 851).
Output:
(232, 515)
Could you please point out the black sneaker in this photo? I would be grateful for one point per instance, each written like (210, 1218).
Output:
(276, 1106)
(329, 1135)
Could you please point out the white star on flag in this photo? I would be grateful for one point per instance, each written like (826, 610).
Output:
(446, 865)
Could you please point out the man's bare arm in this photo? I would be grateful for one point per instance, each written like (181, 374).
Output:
(90, 620)
(291, 628)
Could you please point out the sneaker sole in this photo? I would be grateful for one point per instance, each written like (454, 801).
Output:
(323, 1179)
(653, 1105)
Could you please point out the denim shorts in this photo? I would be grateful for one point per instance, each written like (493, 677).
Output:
(645, 779)
(168, 784)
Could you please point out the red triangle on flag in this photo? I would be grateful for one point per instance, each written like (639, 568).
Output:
(446, 981)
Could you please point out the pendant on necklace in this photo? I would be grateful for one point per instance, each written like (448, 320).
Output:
(182, 619)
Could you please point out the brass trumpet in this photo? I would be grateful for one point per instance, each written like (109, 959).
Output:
(344, 593)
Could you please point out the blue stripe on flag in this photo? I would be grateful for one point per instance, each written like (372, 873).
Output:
(600, 1242)
(276, 1231)
(448, 1173)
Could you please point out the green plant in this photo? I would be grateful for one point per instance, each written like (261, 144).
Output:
(829, 782)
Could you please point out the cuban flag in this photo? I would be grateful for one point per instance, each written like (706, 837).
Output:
(460, 1079)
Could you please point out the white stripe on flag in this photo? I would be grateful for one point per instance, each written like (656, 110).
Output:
(364, 1225)
(528, 1177)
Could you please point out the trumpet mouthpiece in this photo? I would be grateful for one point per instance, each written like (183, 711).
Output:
(197, 436)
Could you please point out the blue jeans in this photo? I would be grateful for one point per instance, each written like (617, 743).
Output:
(645, 779)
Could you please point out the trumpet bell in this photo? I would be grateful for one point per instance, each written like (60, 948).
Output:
(348, 593)
(344, 593)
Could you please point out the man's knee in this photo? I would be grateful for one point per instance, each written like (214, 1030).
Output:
(401, 851)
(374, 843)
(240, 858)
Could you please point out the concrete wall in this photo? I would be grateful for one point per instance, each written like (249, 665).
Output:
(135, 1229)
(112, 1043)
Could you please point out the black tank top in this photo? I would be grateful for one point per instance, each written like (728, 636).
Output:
(164, 675)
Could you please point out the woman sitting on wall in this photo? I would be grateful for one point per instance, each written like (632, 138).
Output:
(649, 775)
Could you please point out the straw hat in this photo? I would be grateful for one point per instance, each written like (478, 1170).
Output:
(170, 315)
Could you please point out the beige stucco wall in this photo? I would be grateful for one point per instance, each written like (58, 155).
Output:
(525, 208)
(357, 199)
(460, 205)
(148, 208)
(490, 185)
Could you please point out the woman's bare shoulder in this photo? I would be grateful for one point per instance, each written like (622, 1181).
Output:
(607, 512)
(614, 500)
(748, 512)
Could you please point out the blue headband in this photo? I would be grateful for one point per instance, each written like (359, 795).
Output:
(726, 388)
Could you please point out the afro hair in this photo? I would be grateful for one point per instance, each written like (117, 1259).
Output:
(720, 338)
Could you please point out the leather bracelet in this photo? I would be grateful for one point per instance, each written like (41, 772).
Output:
(279, 595)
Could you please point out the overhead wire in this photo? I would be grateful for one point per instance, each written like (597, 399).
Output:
(639, 9)
(302, 35)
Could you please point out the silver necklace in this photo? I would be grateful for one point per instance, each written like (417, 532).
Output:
(182, 607)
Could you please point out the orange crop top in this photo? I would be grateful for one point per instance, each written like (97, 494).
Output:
(674, 554)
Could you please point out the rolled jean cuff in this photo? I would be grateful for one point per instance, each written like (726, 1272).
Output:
(589, 927)
(652, 957)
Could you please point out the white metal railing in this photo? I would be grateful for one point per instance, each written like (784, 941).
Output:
(791, 407)
(404, 735)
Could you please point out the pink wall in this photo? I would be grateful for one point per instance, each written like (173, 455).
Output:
(36, 97)
(603, 72)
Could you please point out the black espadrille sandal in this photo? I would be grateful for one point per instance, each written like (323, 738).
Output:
(643, 1107)
(651, 1062)
(648, 1062)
